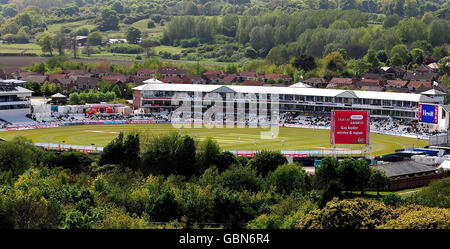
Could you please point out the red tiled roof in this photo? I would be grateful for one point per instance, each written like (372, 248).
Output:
(253, 83)
(248, 74)
(146, 71)
(172, 79)
(416, 84)
(341, 81)
(397, 83)
(369, 81)
(316, 80)
(230, 78)
(115, 77)
(422, 68)
(51, 77)
(277, 76)
(215, 72)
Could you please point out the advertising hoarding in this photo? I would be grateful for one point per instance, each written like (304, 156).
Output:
(428, 113)
(350, 127)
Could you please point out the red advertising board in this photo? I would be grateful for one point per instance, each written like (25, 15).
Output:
(350, 127)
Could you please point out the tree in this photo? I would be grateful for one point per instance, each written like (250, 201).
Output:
(417, 55)
(208, 154)
(267, 161)
(382, 56)
(363, 172)
(378, 180)
(401, 51)
(133, 35)
(417, 217)
(131, 151)
(326, 172)
(46, 43)
(94, 38)
(439, 32)
(147, 44)
(357, 213)
(436, 194)
(60, 41)
(33, 86)
(108, 20)
(45, 89)
(288, 178)
(112, 153)
(169, 154)
(14, 157)
(240, 178)
(305, 62)
(334, 62)
(225, 160)
(372, 59)
(347, 173)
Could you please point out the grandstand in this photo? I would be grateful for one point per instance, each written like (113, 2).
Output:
(14, 104)
(390, 111)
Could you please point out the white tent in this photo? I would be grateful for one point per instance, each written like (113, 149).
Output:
(445, 165)
(152, 81)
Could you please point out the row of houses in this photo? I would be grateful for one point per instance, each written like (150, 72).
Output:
(420, 79)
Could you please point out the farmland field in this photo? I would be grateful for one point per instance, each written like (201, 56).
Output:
(228, 138)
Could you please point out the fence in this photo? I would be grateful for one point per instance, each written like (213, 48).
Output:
(440, 140)
(412, 182)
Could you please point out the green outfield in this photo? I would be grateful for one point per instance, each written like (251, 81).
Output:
(228, 138)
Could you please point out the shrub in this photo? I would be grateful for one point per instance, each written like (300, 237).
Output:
(288, 178)
(124, 48)
(267, 161)
(347, 214)
(241, 178)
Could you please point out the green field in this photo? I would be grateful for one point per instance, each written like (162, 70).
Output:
(228, 138)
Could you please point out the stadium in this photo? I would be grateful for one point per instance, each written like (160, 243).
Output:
(302, 115)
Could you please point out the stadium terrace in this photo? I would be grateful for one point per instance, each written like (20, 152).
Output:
(157, 97)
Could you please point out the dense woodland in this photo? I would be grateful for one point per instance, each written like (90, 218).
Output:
(263, 35)
(172, 181)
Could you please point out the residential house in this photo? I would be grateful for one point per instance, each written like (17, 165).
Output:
(99, 72)
(11, 73)
(231, 78)
(115, 78)
(172, 79)
(218, 73)
(286, 79)
(252, 83)
(341, 82)
(36, 77)
(243, 76)
(423, 76)
(139, 80)
(434, 67)
(64, 83)
(194, 79)
(370, 84)
(146, 72)
(418, 86)
(52, 77)
(81, 40)
(316, 82)
(172, 71)
(212, 79)
(83, 82)
(397, 86)
(392, 73)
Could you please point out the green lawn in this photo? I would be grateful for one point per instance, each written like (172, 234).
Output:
(228, 138)
(20, 48)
